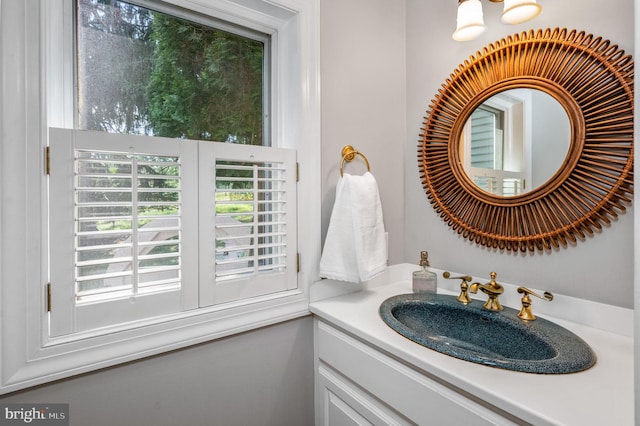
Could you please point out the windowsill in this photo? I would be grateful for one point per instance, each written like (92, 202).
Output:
(66, 357)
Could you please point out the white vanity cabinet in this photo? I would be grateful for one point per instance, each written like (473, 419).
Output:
(356, 384)
(367, 373)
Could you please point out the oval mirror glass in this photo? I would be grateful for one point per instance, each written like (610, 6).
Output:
(515, 141)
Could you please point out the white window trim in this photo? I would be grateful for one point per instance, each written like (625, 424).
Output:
(27, 356)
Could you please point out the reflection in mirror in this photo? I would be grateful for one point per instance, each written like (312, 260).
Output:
(515, 141)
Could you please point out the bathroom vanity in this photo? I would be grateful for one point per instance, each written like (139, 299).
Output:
(366, 373)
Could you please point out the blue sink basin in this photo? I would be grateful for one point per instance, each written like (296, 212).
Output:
(497, 339)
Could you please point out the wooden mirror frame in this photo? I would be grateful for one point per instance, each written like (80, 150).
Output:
(593, 80)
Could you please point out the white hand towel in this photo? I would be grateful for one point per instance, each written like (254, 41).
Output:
(355, 249)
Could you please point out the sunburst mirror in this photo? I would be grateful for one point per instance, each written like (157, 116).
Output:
(592, 81)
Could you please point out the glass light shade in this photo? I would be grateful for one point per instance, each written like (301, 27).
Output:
(518, 11)
(470, 22)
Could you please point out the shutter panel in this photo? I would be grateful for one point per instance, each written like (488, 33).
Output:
(120, 219)
(247, 208)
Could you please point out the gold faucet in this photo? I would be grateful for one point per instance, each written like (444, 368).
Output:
(525, 312)
(491, 289)
(464, 286)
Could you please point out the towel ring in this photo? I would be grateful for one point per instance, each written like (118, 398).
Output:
(349, 153)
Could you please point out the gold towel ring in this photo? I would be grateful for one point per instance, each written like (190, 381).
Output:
(349, 153)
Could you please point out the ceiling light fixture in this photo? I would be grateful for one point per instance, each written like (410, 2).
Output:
(470, 23)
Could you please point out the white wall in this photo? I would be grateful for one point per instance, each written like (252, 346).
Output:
(598, 269)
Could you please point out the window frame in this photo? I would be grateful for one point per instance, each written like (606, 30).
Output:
(30, 58)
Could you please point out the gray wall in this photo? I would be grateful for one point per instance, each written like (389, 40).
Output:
(363, 102)
(598, 269)
(368, 67)
(261, 378)
(551, 140)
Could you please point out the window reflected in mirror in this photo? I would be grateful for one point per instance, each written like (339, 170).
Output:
(515, 141)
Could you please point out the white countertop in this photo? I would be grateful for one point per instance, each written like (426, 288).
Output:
(602, 395)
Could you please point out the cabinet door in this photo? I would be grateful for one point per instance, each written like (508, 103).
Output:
(382, 390)
(340, 413)
(343, 403)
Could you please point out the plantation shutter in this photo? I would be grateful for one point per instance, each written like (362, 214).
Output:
(247, 206)
(122, 238)
(142, 227)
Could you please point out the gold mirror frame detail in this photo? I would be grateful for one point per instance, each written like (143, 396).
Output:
(593, 80)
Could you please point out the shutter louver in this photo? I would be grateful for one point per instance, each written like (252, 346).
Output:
(127, 224)
(250, 219)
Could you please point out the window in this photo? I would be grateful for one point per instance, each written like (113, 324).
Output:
(143, 71)
(153, 261)
(494, 146)
(129, 244)
(129, 241)
(145, 226)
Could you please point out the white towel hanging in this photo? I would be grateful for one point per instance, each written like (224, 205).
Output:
(355, 249)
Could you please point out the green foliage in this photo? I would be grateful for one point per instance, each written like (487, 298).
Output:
(146, 72)
(205, 84)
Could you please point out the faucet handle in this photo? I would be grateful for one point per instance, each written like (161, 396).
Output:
(463, 297)
(526, 313)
